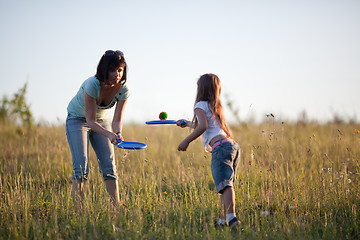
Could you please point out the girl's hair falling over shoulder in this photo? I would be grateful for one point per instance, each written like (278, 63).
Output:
(209, 89)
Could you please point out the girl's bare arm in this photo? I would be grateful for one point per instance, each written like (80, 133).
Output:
(200, 129)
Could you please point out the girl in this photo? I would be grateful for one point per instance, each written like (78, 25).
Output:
(88, 121)
(209, 122)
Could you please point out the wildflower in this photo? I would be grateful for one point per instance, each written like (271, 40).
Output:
(126, 154)
(264, 213)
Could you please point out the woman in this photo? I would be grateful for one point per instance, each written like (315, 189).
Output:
(88, 121)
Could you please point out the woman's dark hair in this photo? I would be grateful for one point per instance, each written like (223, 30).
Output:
(108, 63)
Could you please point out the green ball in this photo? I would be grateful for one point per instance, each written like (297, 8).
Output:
(163, 116)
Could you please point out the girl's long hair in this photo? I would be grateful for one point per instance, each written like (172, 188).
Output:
(209, 89)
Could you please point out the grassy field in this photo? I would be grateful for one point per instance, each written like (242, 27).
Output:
(294, 182)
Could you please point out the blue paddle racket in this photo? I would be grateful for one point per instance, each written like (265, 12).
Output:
(164, 122)
(131, 145)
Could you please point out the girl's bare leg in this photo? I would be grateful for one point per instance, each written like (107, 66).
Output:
(228, 201)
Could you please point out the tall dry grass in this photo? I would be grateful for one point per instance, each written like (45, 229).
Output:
(294, 182)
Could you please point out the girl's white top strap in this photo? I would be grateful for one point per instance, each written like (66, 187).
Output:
(213, 125)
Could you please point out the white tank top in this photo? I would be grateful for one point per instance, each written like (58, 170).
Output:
(213, 129)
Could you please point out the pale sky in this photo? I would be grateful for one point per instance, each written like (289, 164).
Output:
(280, 57)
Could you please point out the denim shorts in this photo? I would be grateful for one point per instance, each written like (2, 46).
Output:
(224, 163)
(79, 134)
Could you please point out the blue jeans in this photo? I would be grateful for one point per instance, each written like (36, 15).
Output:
(78, 135)
(224, 163)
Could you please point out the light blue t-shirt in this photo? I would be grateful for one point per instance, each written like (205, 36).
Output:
(91, 86)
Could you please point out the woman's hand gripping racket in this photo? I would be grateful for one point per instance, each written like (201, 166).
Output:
(130, 145)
